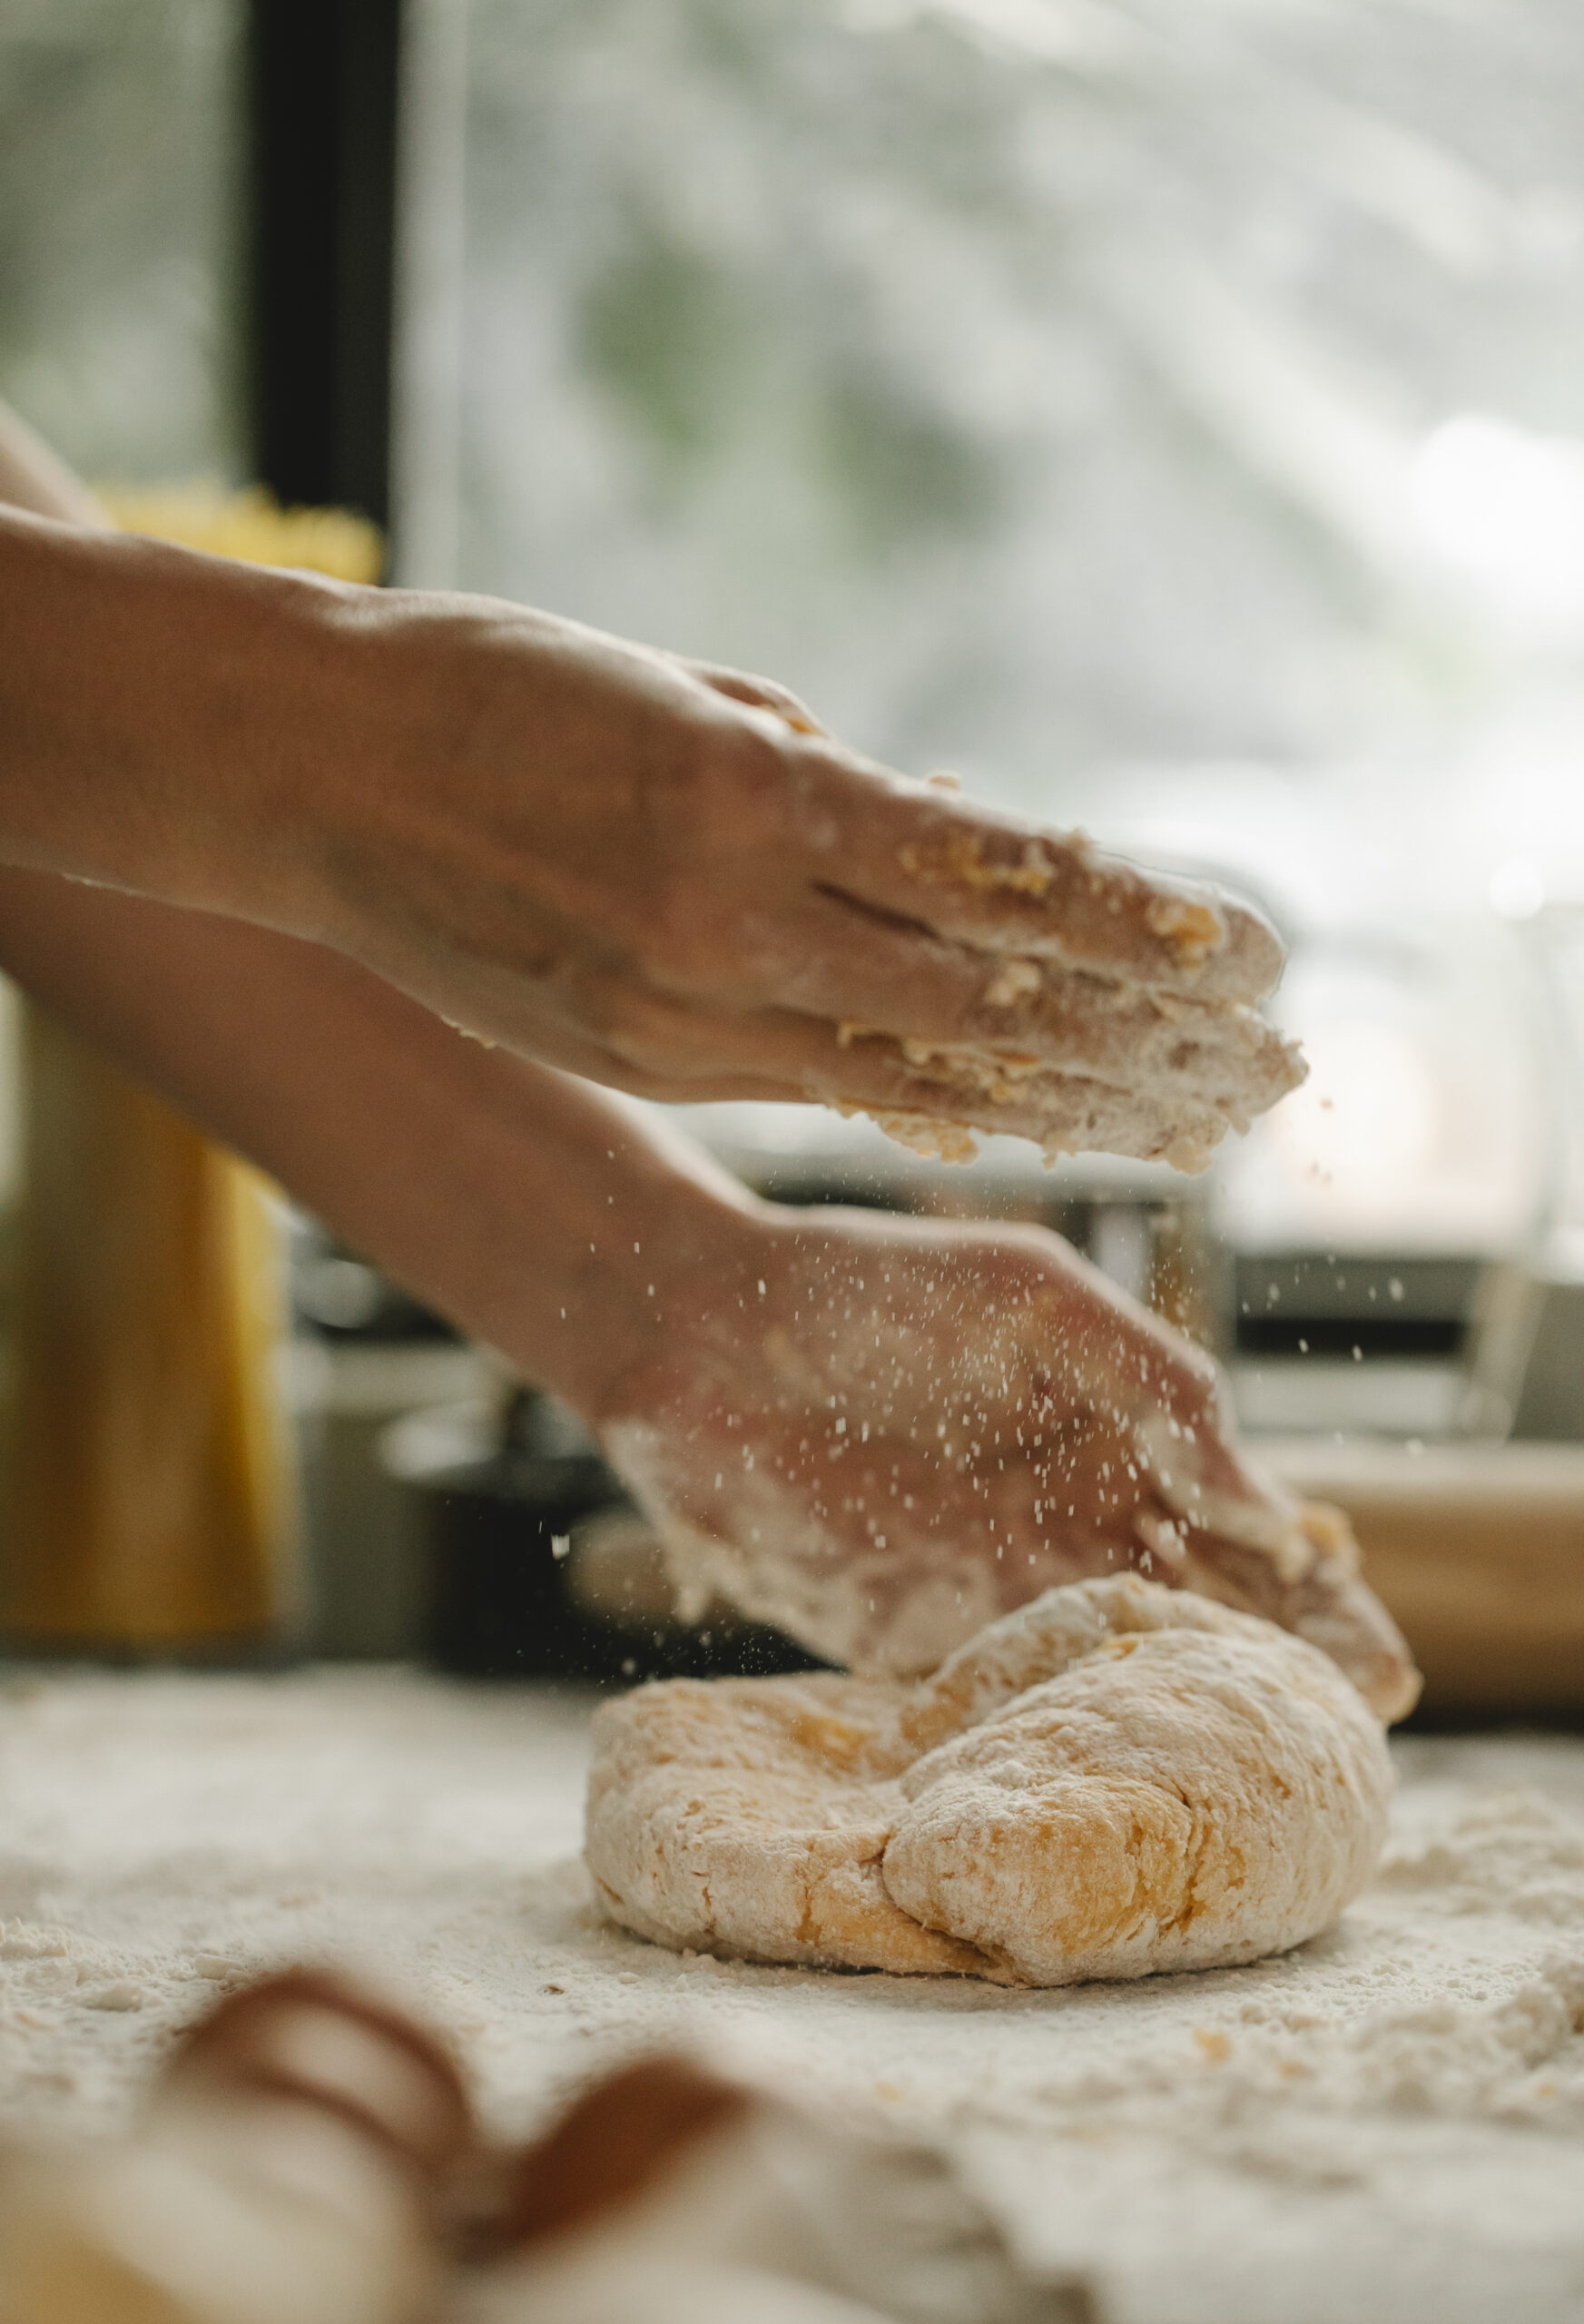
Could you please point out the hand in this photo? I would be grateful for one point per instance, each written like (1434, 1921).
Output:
(655, 873)
(665, 877)
(880, 1433)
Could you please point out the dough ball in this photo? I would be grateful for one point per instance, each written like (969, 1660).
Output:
(1116, 1778)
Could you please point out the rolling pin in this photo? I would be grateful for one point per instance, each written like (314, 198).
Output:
(298, 2165)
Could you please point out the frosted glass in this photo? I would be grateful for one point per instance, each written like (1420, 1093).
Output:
(120, 276)
(1037, 384)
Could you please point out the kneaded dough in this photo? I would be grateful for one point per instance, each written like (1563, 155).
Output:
(1116, 1778)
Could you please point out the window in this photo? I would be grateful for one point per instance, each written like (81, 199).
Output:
(120, 231)
(1046, 387)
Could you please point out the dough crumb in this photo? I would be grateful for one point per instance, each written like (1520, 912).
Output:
(1192, 928)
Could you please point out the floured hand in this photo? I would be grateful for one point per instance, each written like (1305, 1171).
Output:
(666, 877)
(653, 872)
(880, 1434)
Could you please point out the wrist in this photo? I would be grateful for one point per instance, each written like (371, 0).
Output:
(657, 1290)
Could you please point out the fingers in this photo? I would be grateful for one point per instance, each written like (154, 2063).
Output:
(1003, 886)
(912, 1090)
(874, 977)
(1179, 1412)
(1327, 1602)
(1196, 1081)
(1198, 1514)
(994, 884)
(1335, 1609)
(923, 1092)
(1014, 1044)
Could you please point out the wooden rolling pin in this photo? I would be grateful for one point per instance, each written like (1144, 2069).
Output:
(1478, 1549)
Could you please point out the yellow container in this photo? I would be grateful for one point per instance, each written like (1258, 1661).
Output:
(151, 1494)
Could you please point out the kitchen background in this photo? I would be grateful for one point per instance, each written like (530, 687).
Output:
(1169, 416)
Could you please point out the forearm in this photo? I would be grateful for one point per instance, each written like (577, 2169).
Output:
(509, 1197)
(151, 702)
(161, 713)
(527, 1205)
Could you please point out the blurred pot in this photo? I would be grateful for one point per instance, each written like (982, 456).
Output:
(536, 1565)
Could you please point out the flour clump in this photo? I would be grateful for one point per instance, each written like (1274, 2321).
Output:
(1116, 1778)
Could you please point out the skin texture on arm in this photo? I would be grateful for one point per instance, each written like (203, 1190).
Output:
(645, 870)
(506, 1194)
(881, 1431)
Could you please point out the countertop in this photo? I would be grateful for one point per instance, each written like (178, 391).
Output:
(1389, 2122)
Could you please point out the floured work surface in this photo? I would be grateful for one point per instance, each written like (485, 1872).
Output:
(1388, 2123)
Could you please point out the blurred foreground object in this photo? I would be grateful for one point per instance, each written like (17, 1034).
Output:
(296, 2166)
(667, 2193)
(311, 2155)
(150, 1482)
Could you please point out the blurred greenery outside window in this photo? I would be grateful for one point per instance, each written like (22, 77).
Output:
(1054, 388)
(121, 230)
(1169, 413)
(1050, 388)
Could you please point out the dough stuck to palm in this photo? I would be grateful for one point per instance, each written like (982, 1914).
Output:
(1149, 1076)
(1116, 1015)
(1117, 1778)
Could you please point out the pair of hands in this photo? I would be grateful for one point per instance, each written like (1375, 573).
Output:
(665, 878)
(877, 1433)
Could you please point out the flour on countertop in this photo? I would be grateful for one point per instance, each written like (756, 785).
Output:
(1389, 2122)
